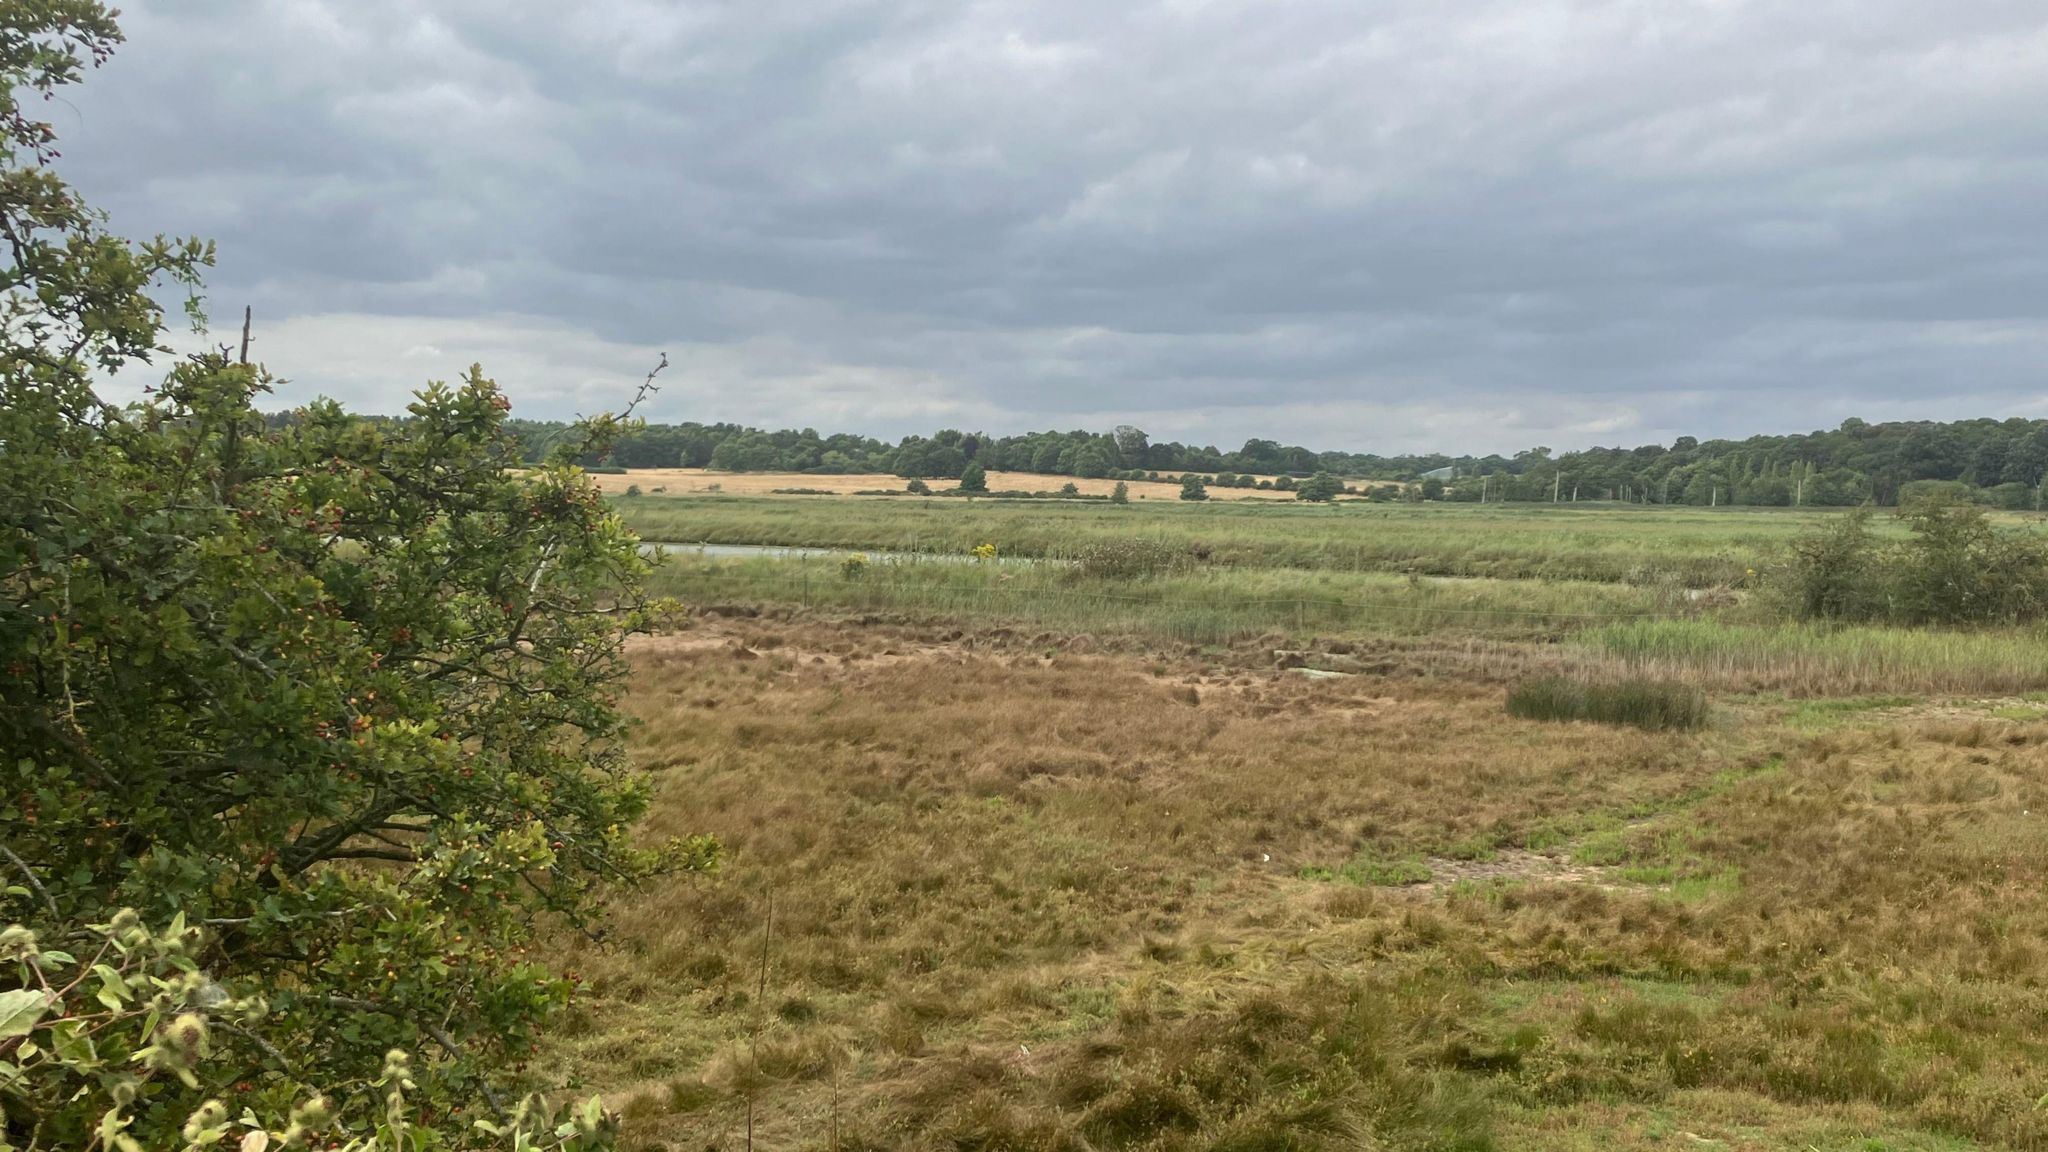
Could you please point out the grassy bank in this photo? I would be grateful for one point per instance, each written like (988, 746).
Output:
(1206, 605)
(1693, 548)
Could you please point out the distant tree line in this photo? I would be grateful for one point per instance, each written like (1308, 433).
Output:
(946, 454)
(1994, 462)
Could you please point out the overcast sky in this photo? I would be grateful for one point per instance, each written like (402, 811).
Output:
(1377, 225)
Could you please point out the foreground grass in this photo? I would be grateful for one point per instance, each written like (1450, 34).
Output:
(1012, 896)
(1693, 548)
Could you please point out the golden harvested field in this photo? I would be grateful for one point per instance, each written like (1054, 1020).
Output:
(686, 481)
(996, 889)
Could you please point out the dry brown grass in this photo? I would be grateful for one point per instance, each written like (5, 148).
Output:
(696, 481)
(1033, 897)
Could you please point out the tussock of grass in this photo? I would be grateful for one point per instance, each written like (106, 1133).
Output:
(1648, 704)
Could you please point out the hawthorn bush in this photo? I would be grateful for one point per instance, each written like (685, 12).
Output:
(1955, 569)
(335, 701)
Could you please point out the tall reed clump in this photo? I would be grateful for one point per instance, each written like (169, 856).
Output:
(1824, 660)
(1128, 559)
(1650, 704)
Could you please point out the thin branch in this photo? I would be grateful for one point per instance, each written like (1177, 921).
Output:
(258, 1041)
(33, 883)
(435, 1031)
(371, 854)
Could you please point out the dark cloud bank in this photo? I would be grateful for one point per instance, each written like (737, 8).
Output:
(1398, 225)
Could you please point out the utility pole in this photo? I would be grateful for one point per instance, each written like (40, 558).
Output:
(248, 313)
(1556, 482)
(1486, 482)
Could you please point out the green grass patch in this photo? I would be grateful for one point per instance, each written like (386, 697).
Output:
(1821, 713)
(1372, 872)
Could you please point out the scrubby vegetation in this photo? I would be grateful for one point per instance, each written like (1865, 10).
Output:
(1955, 568)
(310, 732)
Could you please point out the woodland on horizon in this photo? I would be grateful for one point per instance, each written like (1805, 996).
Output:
(1997, 462)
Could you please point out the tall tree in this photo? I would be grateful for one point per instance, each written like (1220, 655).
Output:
(312, 723)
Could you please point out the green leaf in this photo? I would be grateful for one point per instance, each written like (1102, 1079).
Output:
(73, 1045)
(20, 1009)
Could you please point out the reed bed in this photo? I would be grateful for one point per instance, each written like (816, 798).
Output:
(1688, 548)
(1819, 660)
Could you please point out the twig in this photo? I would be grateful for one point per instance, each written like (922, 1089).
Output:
(647, 388)
(258, 1041)
(33, 883)
(234, 921)
(436, 1032)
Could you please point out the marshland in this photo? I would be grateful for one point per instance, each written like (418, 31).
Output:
(1357, 826)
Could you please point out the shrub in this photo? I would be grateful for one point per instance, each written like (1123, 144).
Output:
(1121, 494)
(853, 566)
(1958, 569)
(1128, 559)
(632, 490)
(1834, 572)
(1650, 704)
(973, 478)
(309, 727)
(1070, 489)
(1321, 487)
(1955, 569)
(1192, 488)
(918, 488)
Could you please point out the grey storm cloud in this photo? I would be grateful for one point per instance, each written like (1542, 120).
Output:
(1366, 224)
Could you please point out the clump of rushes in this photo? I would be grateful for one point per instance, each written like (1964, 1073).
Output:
(1650, 704)
(854, 565)
(1129, 559)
